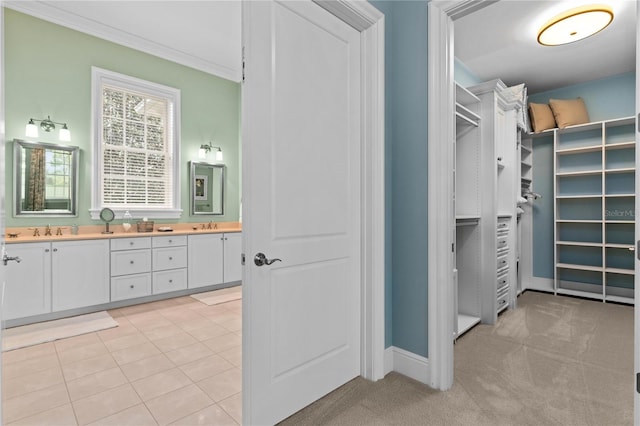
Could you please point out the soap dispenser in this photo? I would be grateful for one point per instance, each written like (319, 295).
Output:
(126, 221)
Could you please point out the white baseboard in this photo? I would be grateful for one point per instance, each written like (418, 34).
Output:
(540, 284)
(407, 363)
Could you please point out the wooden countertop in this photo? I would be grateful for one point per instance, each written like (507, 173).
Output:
(91, 232)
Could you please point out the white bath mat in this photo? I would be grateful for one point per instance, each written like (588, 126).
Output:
(33, 334)
(216, 297)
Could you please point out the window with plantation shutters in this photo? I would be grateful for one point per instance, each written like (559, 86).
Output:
(136, 146)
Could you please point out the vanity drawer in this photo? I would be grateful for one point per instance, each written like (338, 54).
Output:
(172, 241)
(130, 262)
(169, 258)
(130, 243)
(165, 281)
(130, 286)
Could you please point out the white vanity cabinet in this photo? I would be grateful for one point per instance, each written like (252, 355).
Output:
(130, 268)
(28, 283)
(79, 273)
(205, 254)
(169, 260)
(232, 257)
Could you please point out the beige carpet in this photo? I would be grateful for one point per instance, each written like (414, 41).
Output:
(216, 297)
(553, 361)
(33, 334)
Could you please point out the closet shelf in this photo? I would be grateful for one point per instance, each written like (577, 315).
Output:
(622, 246)
(466, 322)
(619, 145)
(578, 196)
(580, 173)
(620, 271)
(581, 221)
(580, 267)
(578, 293)
(578, 243)
(578, 150)
(619, 299)
(619, 195)
(621, 170)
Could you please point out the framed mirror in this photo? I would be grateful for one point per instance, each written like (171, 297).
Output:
(45, 178)
(207, 188)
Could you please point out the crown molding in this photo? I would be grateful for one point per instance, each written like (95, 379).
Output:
(49, 12)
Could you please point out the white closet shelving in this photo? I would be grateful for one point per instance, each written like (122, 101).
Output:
(499, 189)
(486, 176)
(594, 210)
(467, 208)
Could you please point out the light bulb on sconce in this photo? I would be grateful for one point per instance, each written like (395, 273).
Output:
(206, 148)
(47, 125)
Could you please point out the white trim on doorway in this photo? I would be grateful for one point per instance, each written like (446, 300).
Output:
(441, 109)
(370, 22)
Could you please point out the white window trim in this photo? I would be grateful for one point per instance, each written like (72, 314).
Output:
(99, 77)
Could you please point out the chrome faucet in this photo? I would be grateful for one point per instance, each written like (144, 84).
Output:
(47, 231)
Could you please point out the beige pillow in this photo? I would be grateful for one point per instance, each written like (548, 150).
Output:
(541, 117)
(569, 112)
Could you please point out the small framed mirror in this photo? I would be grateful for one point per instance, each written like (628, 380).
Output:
(207, 188)
(45, 178)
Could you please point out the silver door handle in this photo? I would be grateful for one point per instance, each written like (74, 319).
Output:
(6, 259)
(260, 259)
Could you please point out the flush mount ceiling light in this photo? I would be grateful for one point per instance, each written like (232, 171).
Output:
(575, 24)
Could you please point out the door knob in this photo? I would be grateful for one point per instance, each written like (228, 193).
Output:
(6, 258)
(260, 259)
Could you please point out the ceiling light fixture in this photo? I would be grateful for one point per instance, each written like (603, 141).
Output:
(575, 24)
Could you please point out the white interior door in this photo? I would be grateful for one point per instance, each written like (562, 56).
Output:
(301, 197)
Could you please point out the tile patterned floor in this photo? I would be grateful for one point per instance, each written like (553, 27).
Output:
(176, 361)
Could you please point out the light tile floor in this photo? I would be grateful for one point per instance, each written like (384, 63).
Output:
(176, 361)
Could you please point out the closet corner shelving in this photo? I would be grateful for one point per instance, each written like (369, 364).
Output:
(594, 210)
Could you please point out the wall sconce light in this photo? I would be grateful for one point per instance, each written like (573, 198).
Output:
(47, 125)
(206, 148)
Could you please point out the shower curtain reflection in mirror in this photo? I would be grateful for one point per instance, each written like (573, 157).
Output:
(45, 179)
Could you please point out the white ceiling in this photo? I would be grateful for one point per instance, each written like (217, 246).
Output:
(204, 35)
(499, 41)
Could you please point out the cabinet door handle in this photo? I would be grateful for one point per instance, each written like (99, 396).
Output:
(170, 281)
(46, 250)
(131, 285)
(170, 258)
(55, 249)
(131, 262)
(130, 243)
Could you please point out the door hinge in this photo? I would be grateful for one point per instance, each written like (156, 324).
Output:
(242, 259)
(638, 249)
(453, 248)
(243, 69)
(638, 382)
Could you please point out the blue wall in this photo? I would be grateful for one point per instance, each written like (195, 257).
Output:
(406, 125)
(463, 75)
(605, 99)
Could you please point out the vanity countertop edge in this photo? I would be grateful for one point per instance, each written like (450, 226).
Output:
(92, 232)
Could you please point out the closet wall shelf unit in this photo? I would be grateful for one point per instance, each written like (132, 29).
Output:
(467, 285)
(594, 210)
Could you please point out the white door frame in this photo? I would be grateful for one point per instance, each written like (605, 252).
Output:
(441, 225)
(370, 22)
(636, 308)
